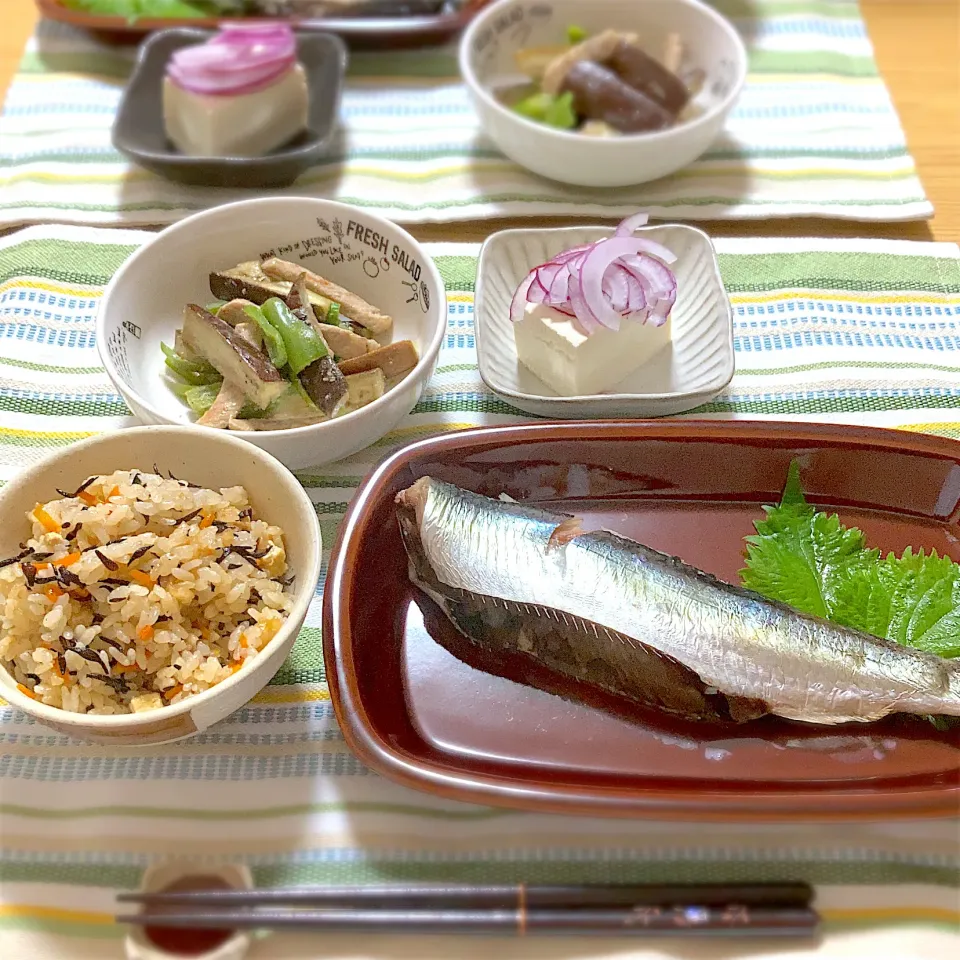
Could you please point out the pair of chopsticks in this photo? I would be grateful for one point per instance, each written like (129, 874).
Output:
(754, 910)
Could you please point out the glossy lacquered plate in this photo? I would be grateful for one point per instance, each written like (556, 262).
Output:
(416, 705)
(373, 32)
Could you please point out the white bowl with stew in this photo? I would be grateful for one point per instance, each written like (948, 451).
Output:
(712, 50)
(366, 254)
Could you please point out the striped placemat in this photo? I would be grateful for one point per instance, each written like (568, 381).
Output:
(850, 331)
(814, 134)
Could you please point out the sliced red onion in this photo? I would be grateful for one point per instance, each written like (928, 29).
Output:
(241, 58)
(631, 224)
(599, 285)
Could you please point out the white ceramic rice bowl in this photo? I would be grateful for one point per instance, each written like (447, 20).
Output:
(210, 458)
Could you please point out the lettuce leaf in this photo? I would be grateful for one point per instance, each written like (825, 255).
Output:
(813, 562)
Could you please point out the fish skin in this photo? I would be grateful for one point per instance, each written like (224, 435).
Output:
(747, 647)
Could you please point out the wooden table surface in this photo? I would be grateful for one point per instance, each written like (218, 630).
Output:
(917, 46)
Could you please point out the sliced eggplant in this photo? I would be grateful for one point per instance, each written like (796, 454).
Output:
(181, 348)
(356, 307)
(325, 385)
(247, 281)
(395, 360)
(236, 359)
(230, 398)
(640, 71)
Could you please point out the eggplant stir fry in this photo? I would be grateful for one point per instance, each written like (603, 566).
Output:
(282, 347)
(604, 85)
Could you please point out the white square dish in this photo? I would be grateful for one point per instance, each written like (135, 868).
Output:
(696, 366)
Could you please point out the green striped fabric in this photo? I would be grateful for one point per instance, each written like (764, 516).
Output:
(814, 134)
(847, 331)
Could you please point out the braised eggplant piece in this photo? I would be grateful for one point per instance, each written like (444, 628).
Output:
(325, 385)
(640, 71)
(599, 94)
(596, 49)
(230, 398)
(247, 281)
(602, 85)
(234, 358)
(353, 305)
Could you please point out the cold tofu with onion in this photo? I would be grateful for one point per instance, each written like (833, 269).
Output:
(275, 351)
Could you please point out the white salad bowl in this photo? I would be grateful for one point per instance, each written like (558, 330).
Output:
(696, 365)
(210, 458)
(710, 42)
(372, 257)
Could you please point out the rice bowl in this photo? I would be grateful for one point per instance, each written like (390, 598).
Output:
(137, 591)
(214, 461)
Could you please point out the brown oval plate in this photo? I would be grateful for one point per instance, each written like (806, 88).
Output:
(371, 32)
(420, 709)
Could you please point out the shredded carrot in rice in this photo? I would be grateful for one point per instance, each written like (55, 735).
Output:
(52, 592)
(172, 692)
(68, 560)
(206, 521)
(115, 492)
(145, 633)
(27, 692)
(138, 576)
(88, 498)
(124, 667)
(45, 520)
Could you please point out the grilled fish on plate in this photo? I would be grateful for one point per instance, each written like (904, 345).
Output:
(601, 609)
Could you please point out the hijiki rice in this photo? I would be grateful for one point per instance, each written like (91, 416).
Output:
(138, 590)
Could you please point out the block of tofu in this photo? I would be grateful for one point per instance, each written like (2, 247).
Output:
(551, 347)
(236, 125)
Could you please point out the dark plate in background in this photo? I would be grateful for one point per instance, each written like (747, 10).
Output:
(361, 32)
(138, 130)
(414, 710)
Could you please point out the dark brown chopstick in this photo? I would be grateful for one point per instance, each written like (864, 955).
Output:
(639, 921)
(398, 896)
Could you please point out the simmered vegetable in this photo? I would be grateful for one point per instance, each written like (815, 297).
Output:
(266, 355)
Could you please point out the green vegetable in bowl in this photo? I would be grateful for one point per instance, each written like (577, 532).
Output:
(302, 343)
(546, 108)
(811, 561)
(576, 34)
(196, 372)
(271, 336)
